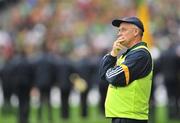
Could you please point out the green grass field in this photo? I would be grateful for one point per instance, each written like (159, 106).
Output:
(94, 117)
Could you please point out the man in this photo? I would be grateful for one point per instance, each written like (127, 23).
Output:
(130, 76)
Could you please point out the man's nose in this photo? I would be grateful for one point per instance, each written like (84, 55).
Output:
(119, 34)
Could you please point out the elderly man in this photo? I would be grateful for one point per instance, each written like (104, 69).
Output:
(129, 76)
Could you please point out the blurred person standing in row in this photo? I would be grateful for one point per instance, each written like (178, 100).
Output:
(169, 67)
(130, 76)
(64, 70)
(45, 77)
(85, 69)
(6, 70)
(17, 78)
(23, 77)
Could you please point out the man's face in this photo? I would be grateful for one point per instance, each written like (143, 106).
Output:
(127, 33)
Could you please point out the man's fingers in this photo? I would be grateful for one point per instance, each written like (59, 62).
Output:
(121, 39)
(119, 44)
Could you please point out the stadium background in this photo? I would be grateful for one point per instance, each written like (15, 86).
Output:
(81, 28)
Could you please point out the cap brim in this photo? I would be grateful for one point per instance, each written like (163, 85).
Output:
(117, 22)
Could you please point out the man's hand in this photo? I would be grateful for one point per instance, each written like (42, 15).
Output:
(117, 46)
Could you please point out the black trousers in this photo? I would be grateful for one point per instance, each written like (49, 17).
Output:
(84, 105)
(124, 120)
(65, 108)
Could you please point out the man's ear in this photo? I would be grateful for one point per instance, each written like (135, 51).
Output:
(136, 32)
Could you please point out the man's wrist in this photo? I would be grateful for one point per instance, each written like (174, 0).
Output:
(112, 53)
(112, 57)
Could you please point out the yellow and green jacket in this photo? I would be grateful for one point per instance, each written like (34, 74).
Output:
(130, 80)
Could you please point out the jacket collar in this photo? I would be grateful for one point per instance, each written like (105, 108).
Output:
(136, 45)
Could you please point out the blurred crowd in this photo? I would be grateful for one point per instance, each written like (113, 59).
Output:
(46, 43)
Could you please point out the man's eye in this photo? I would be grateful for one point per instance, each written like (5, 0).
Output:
(122, 30)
